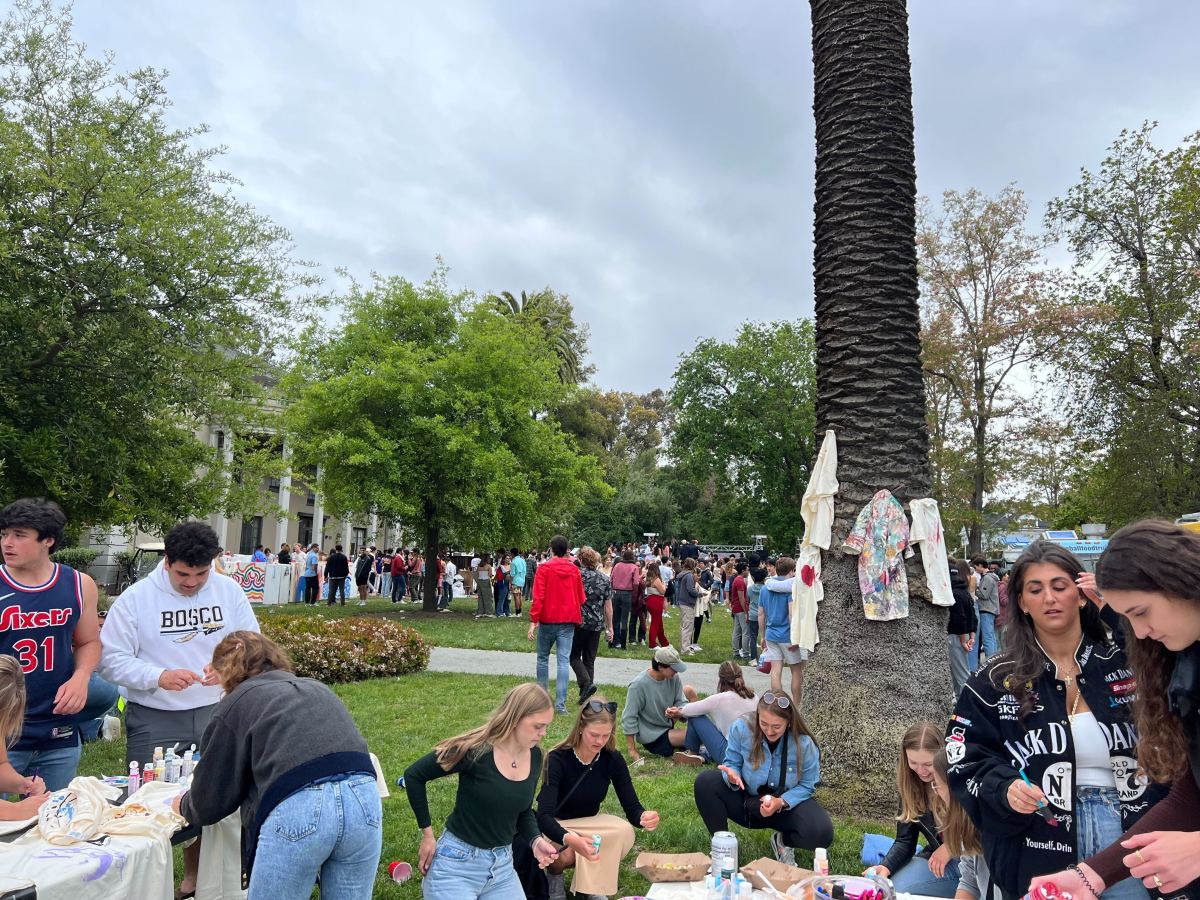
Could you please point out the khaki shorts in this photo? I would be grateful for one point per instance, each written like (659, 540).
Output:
(783, 652)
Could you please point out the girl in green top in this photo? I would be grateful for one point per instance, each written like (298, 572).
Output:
(498, 765)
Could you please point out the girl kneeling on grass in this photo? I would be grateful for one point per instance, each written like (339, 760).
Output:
(579, 772)
(498, 765)
(12, 718)
(286, 751)
(771, 769)
(933, 872)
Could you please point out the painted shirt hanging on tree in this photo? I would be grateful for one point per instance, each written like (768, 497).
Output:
(880, 539)
(927, 531)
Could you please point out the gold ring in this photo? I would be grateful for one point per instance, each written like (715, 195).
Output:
(1138, 851)
(1157, 882)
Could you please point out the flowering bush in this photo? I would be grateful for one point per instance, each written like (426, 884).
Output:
(334, 650)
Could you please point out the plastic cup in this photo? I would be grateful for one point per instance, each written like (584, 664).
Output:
(400, 872)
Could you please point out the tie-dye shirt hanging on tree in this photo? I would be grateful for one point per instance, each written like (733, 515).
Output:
(880, 539)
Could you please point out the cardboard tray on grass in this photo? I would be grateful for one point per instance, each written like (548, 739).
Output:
(782, 876)
(656, 867)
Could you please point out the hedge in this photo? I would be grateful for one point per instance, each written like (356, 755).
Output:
(355, 649)
(78, 558)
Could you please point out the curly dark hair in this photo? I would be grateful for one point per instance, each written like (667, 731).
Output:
(43, 516)
(1157, 557)
(1019, 667)
(191, 543)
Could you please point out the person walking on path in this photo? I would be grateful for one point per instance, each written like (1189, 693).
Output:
(555, 611)
(596, 616)
(626, 577)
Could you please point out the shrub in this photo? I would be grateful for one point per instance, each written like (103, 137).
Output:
(79, 558)
(338, 650)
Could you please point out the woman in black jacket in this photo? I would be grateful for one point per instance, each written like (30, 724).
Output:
(1042, 746)
(1150, 574)
(960, 629)
(933, 872)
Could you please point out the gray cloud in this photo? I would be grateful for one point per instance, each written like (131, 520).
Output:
(652, 160)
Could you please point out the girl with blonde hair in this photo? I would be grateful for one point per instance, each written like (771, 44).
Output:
(497, 765)
(579, 772)
(12, 717)
(933, 872)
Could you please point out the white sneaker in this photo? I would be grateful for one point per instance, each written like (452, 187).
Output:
(785, 855)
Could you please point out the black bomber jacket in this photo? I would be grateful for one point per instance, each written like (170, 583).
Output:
(986, 745)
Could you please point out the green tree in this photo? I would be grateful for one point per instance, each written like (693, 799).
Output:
(988, 316)
(744, 417)
(1134, 228)
(413, 409)
(554, 315)
(139, 296)
(868, 680)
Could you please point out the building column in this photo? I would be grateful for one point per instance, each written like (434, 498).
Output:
(318, 515)
(227, 454)
(284, 500)
(346, 534)
(373, 530)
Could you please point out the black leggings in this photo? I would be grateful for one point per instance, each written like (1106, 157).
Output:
(584, 645)
(807, 825)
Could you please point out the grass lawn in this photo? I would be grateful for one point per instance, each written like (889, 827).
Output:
(460, 628)
(402, 718)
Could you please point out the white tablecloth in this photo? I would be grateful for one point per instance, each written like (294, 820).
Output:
(128, 867)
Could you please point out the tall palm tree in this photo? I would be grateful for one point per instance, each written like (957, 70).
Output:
(868, 680)
(554, 314)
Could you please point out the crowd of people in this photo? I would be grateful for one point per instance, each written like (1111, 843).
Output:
(1071, 755)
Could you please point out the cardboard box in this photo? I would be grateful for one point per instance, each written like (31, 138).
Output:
(656, 867)
(782, 877)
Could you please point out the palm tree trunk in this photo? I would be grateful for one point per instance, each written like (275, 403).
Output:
(869, 680)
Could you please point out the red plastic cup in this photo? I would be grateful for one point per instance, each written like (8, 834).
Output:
(400, 872)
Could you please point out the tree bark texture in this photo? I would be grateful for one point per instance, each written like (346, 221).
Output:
(430, 587)
(868, 681)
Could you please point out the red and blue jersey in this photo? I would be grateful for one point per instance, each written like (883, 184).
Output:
(37, 626)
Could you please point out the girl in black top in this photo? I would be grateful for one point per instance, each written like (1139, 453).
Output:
(579, 772)
(497, 766)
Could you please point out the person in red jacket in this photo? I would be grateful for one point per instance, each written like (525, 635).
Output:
(553, 615)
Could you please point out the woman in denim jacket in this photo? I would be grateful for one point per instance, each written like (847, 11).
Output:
(771, 769)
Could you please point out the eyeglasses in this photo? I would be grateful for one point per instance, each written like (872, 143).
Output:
(596, 706)
(783, 701)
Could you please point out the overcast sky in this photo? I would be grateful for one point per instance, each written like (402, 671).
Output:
(653, 160)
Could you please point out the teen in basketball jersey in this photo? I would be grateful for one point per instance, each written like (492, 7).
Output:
(48, 623)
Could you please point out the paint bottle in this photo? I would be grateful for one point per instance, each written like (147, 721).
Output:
(135, 779)
(821, 861)
(148, 773)
(158, 754)
(596, 839)
(160, 771)
(186, 766)
(170, 767)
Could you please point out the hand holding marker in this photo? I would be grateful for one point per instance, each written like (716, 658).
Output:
(1043, 808)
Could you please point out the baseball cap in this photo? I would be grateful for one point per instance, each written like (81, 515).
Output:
(667, 656)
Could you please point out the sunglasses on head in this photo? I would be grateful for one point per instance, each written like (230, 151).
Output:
(783, 701)
(596, 706)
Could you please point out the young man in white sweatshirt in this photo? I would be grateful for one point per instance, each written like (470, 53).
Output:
(158, 641)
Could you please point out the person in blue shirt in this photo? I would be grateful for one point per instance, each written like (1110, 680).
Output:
(775, 621)
(772, 766)
(517, 576)
(312, 583)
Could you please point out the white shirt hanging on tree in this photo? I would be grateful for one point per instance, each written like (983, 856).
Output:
(927, 531)
(816, 509)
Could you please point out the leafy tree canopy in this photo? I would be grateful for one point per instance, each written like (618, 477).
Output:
(413, 407)
(138, 295)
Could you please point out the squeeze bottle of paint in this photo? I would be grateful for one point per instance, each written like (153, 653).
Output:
(821, 861)
(158, 754)
(135, 779)
(170, 768)
(148, 773)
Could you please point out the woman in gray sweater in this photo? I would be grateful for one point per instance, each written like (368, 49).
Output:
(286, 751)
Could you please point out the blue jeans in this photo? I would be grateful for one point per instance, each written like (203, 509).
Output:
(501, 598)
(960, 669)
(461, 871)
(701, 730)
(621, 601)
(55, 767)
(447, 594)
(973, 653)
(334, 828)
(987, 635)
(1098, 812)
(559, 637)
(915, 878)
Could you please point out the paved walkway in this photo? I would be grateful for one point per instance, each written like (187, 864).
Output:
(609, 670)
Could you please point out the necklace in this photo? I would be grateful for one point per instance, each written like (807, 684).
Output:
(1069, 679)
(514, 758)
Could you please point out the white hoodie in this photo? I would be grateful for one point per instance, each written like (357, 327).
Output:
(152, 627)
